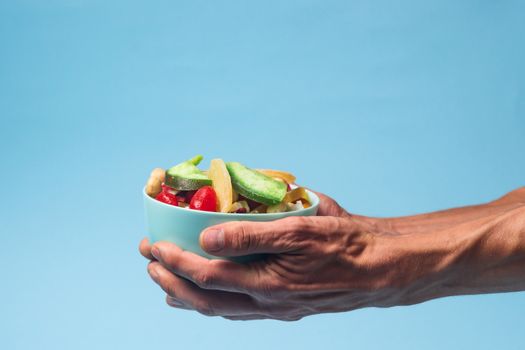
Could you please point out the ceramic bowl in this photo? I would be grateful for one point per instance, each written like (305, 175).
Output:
(183, 226)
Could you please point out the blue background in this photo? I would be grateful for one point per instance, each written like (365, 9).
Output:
(392, 107)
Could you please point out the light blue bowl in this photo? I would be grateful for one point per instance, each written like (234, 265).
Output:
(183, 226)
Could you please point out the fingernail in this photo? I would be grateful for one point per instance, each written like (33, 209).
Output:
(213, 240)
(174, 302)
(155, 252)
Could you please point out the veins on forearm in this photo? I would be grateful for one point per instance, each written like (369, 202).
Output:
(489, 255)
(442, 220)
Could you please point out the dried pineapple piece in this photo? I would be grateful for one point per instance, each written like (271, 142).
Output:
(222, 184)
(306, 204)
(296, 194)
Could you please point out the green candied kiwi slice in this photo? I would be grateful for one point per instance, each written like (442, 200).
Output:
(186, 176)
(255, 185)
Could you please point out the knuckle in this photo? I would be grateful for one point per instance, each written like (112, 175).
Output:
(299, 223)
(243, 239)
(205, 279)
(204, 307)
(169, 261)
(170, 289)
(169, 258)
(299, 229)
(271, 290)
(332, 223)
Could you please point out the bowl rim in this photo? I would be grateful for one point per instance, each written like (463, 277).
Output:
(312, 194)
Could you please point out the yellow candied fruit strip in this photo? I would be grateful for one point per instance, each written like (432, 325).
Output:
(286, 176)
(235, 196)
(222, 184)
(306, 204)
(296, 194)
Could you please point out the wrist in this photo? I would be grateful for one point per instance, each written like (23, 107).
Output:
(420, 266)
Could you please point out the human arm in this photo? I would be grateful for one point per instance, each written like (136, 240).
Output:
(343, 262)
(443, 219)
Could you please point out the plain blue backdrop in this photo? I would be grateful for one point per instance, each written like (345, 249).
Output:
(392, 107)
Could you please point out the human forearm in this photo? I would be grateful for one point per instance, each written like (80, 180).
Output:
(444, 219)
(483, 255)
(494, 255)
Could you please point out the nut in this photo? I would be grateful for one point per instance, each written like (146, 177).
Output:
(154, 184)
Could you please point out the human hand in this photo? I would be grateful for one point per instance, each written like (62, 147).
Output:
(327, 263)
(343, 262)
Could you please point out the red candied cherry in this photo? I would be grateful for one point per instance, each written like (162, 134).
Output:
(204, 199)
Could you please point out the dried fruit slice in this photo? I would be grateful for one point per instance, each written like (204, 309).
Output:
(254, 185)
(222, 184)
(296, 194)
(277, 208)
(286, 176)
(186, 176)
(240, 207)
(306, 204)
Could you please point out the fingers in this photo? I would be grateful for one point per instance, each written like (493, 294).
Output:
(261, 317)
(207, 274)
(246, 317)
(179, 304)
(186, 295)
(244, 237)
(145, 249)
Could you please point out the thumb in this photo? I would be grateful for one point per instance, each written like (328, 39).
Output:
(329, 207)
(245, 237)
